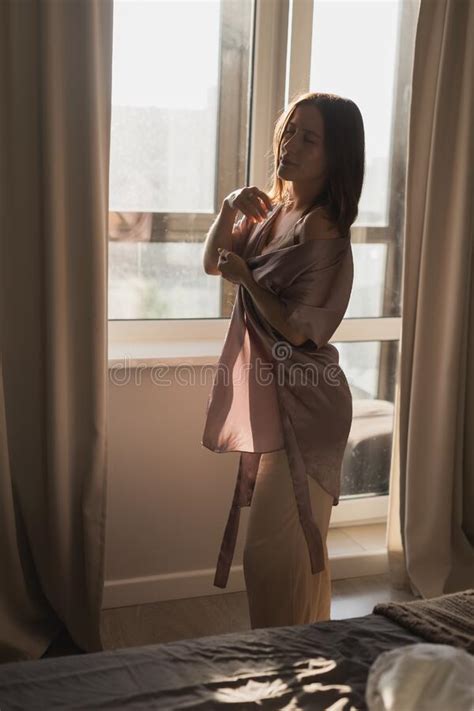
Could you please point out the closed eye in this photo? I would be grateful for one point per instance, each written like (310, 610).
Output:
(288, 131)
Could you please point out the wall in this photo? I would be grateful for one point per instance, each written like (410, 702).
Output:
(168, 496)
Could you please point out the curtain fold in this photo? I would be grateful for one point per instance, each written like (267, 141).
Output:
(55, 81)
(431, 541)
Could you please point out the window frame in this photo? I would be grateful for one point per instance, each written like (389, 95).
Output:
(281, 52)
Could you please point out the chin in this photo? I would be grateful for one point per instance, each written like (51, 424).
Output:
(285, 172)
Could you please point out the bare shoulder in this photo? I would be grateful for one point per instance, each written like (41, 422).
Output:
(318, 225)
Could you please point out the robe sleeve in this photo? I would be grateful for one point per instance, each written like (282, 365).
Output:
(317, 299)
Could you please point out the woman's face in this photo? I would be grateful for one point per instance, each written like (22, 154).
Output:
(302, 156)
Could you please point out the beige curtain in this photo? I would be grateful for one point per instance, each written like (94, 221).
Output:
(55, 82)
(432, 481)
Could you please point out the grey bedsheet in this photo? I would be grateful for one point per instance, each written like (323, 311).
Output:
(300, 667)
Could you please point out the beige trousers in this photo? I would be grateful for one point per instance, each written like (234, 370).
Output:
(281, 589)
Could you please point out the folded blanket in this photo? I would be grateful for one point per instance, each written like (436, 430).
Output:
(448, 619)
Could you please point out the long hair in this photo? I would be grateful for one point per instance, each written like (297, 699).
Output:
(344, 145)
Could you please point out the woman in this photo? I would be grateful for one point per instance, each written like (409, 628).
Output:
(290, 254)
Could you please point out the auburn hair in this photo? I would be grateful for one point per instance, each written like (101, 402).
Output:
(344, 146)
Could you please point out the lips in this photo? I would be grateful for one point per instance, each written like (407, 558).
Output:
(285, 160)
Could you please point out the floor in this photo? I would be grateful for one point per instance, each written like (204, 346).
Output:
(218, 614)
(354, 540)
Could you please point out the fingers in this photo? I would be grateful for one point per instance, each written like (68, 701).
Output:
(253, 207)
(253, 202)
(222, 265)
(266, 200)
(260, 202)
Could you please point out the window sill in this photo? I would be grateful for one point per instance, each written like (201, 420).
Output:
(166, 342)
(359, 511)
(199, 341)
(147, 354)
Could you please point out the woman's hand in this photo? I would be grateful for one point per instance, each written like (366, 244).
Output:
(251, 201)
(232, 267)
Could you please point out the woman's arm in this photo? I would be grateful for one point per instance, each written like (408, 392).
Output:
(273, 309)
(253, 203)
(219, 235)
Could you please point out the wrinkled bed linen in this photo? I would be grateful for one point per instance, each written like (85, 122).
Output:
(299, 667)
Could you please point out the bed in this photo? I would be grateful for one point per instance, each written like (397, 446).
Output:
(315, 666)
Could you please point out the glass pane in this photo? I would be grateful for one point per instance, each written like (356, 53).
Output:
(160, 280)
(369, 37)
(164, 105)
(370, 368)
(367, 296)
(180, 112)
(369, 59)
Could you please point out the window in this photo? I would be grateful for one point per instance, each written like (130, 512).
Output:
(180, 107)
(184, 138)
(371, 62)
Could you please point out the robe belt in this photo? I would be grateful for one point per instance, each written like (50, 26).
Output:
(246, 477)
(247, 474)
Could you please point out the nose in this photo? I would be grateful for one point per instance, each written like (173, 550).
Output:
(290, 142)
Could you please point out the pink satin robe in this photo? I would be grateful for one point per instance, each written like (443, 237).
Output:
(268, 394)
